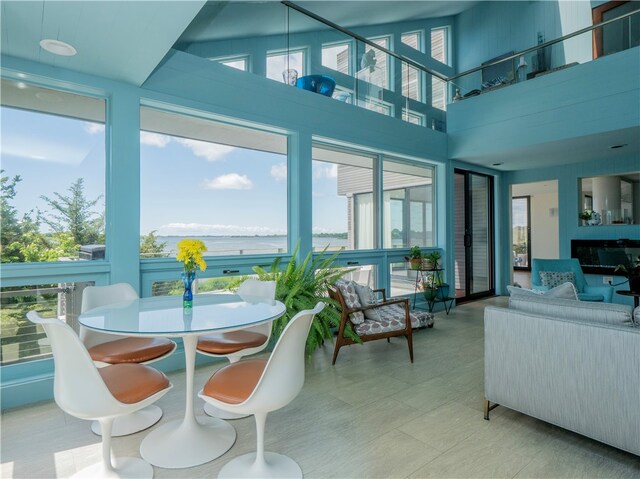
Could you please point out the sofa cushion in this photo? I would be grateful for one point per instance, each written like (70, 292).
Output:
(551, 279)
(590, 297)
(563, 291)
(351, 299)
(607, 313)
(636, 316)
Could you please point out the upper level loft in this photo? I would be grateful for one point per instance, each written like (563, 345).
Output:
(409, 69)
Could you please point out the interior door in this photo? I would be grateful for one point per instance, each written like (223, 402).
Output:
(473, 232)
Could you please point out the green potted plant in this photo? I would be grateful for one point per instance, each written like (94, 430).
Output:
(434, 286)
(415, 257)
(632, 273)
(585, 215)
(431, 260)
(299, 286)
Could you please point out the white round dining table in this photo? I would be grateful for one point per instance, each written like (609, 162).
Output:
(189, 441)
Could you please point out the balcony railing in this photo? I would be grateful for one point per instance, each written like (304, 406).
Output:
(581, 46)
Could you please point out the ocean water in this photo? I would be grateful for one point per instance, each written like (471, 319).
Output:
(234, 245)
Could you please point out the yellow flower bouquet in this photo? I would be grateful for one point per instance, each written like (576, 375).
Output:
(190, 253)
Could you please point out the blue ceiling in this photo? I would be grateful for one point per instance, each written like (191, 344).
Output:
(120, 40)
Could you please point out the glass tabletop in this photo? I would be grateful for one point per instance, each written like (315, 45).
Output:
(164, 315)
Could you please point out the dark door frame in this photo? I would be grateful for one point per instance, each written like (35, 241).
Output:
(468, 240)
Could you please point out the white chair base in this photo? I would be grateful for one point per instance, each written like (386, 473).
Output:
(187, 443)
(274, 466)
(211, 410)
(132, 423)
(124, 467)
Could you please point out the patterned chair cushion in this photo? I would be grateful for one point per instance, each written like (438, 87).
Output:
(424, 319)
(396, 312)
(351, 299)
(368, 298)
(376, 327)
(551, 279)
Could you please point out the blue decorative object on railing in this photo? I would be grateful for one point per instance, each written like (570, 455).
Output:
(323, 84)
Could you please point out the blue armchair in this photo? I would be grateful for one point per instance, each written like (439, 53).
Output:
(585, 292)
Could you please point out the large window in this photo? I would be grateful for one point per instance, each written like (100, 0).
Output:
(408, 217)
(337, 57)
(53, 175)
(439, 44)
(239, 63)
(221, 183)
(281, 65)
(343, 206)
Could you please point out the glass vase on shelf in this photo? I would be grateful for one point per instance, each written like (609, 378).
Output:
(188, 278)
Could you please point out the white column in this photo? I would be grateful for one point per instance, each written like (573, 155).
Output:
(606, 197)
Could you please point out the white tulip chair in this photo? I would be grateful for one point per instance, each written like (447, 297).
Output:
(103, 394)
(258, 387)
(106, 349)
(237, 344)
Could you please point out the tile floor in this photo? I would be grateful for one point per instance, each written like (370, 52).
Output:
(372, 415)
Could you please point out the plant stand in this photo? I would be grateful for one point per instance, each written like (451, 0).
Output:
(422, 275)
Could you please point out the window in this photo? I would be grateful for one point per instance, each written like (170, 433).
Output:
(337, 57)
(279, 63)
(239, 63)
(439, 46)
(411, 82)
(343, 206)
(413, 40)
(218, 182)
(408, 209)
(53, 174)
(438, 93)
(413, 117)
(374, 64)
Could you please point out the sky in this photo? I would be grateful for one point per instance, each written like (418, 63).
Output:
(188, 187)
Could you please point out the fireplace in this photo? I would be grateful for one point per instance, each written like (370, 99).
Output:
(602, 256)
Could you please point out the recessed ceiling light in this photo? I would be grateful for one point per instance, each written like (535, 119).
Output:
(57, 47)
(21, 85)
(618, 146)
(497, 164)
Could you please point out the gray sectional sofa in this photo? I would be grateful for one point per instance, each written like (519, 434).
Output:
(570, 363)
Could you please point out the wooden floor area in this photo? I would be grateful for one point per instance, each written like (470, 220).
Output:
(372, 415)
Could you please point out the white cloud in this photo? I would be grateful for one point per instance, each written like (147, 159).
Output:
(210, 151)
(42, 149)
(325, 171)
(232, 181)
(200, 229)
(279, 172)
(93, 128)
(154, 139)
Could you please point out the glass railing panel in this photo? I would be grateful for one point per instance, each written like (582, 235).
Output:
(373, 78)
(20, 339)
(551, 56)
(331, 57)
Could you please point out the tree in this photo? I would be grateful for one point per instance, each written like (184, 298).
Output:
(150, 247)
(73, 214)
(15, 233)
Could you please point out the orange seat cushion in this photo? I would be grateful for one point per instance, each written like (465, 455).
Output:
(131, 383)
(234, 383)
(131, 350)
(228, 343)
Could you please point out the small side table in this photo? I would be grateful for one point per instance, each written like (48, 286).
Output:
(636, 296)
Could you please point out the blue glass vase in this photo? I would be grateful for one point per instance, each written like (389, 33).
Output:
(187, 296)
